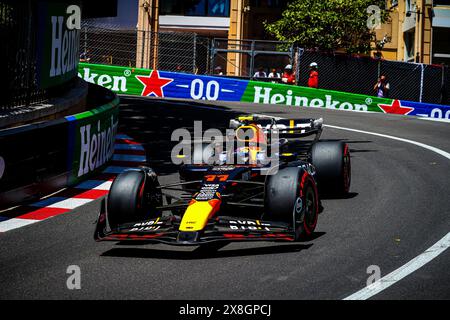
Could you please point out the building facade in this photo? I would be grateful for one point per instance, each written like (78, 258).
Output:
(230, 20)
(418, 31)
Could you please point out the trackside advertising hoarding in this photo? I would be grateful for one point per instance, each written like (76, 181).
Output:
(154, 83)
(38, 159)
(58, 42)
(91, 140)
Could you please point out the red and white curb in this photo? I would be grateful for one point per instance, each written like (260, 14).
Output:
(128, 154)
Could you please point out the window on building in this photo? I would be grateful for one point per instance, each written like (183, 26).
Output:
(441, 3)
(218, 8)
(410, 5)
(210, 8)
(171, 7)
(441, 46)
(195, 8)
(409, 45)
(268, 3)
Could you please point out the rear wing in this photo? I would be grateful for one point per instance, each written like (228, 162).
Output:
(287, 128)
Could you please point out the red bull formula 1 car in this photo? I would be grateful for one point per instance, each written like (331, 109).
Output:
(225, 200)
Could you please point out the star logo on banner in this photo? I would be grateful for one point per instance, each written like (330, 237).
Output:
(153, 84)
(395, 108)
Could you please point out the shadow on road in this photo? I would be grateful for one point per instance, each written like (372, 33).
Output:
(349, 195)
(151, 122)
(203, 253)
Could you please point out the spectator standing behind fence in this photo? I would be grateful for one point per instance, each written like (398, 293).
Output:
(382, 87)
(313, 80)
(288, 76)
(218, 71)
(84, 56)
(274, 74)
(260, 73)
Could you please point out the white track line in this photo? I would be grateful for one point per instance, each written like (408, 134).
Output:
(405, 270)
(419, 261)
(423, 145)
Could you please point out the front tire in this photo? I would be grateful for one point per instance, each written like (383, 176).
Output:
(133, 197)
(291, 196)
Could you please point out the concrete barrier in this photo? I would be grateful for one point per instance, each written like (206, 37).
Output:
(38, 159)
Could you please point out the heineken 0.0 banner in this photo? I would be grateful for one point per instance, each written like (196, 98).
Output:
(154, 83)
(40, 158)
(58, 41)
(91, 140)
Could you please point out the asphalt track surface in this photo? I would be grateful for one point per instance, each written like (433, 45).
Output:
(398, 207)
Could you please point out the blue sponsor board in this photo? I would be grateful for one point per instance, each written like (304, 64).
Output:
(428, 110)
(188, 86)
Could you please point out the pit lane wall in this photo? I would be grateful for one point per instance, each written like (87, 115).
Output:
(145, 82)
(41, 158)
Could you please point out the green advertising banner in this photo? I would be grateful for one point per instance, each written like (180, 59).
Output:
(59, 26)
(117, 79)
(272, 93)
(91, 139)
(144, 82)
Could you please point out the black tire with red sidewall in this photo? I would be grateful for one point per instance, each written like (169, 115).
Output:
(333, 167)
(132, 198)
(291, 196)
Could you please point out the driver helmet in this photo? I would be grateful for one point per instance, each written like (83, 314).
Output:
(246, 155)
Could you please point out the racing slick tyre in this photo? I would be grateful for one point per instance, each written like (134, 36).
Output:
(291, 196)
(133, 197)
(333, 170)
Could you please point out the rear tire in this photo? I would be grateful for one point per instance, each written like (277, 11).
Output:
(333, 169)
(291, 196)
(133, 197)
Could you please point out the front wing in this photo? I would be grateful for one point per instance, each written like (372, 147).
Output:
(165, 230)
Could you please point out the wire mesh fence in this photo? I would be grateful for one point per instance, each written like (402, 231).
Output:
(18, 22)
(244, 58)
(191, 53)
(408, 81)
(108, 45)
(182, 52)
(168, 51)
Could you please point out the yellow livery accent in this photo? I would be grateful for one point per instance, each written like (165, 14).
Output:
(197, 214)
(245, 118)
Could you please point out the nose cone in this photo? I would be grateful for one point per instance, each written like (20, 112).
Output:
(198, 213)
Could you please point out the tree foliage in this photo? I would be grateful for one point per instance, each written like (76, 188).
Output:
(328, 24)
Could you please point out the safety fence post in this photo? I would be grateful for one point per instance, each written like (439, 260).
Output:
(422, 68)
